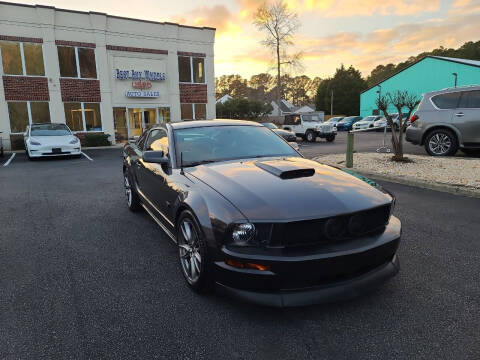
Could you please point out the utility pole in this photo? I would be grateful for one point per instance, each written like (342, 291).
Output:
(331, 104)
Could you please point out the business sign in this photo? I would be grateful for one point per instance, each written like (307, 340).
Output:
(142, 94)
(141, 84)
(139, 75)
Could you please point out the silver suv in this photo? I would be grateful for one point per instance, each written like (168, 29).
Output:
(446, 120)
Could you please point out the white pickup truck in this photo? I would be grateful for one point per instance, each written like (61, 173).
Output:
(310, 126)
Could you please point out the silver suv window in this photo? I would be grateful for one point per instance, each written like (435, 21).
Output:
(446, 101)
(470, 99)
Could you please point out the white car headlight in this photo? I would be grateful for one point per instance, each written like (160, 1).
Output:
(33, 142)
(74, 140)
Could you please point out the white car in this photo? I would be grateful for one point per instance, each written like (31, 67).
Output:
(366, 123)
(51, 139)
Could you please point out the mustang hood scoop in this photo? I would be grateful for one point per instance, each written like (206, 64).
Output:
(285, 169)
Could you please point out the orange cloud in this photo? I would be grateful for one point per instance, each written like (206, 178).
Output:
(217, 16)
(348, 8)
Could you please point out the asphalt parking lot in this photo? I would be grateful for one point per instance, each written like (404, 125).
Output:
(83, 277)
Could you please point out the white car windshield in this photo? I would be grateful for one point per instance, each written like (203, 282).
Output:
(369, 118)
(50, 130)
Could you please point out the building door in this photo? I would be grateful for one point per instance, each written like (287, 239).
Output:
(149, 118)
(120, 124)
(135, 121)
(164, 115)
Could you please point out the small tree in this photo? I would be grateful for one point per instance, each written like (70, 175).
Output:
(400, 100)
(280, 25)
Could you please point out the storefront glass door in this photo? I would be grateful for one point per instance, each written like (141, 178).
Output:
(120, 124)
(135, 122)
(131, 122)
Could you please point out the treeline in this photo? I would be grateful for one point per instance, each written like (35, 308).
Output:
(470, 50)
(346, 84)
(299, 90)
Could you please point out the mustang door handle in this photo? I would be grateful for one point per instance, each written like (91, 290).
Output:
(459, 114)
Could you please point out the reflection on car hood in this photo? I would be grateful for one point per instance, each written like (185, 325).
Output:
(53, 140)
(267, 195)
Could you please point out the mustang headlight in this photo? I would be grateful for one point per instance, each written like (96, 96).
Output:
(74, 140)
(244, 234)
(33, 142)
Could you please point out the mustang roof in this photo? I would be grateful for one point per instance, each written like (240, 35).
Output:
(205, 123)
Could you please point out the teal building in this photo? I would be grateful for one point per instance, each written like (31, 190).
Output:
(428, 74)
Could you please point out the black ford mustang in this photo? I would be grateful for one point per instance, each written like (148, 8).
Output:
(254, 219)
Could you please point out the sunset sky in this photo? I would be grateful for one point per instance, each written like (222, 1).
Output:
(362, 33)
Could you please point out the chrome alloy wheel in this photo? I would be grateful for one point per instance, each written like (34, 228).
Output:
(189, 251)
(440, 144)
(128, 189)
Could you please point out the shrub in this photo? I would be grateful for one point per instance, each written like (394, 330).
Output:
(97, 139)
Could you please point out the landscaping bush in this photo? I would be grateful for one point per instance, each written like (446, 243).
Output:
(97, 139)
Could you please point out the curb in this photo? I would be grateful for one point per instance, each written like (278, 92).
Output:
(452, 189)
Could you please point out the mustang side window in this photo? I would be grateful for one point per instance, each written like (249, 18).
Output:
(158, 141)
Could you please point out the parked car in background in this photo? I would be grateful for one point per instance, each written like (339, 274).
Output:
(286, 134)
(347, 122)
(334, 120)
(50, 139)
(367, 122)
(447, 120)
(382, 122)
(253, 219)
(310, 126)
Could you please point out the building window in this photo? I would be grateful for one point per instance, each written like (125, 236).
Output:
(22, 113)
(191, 69)
(83, 116)
(22, 58)
(77, 62)
(193, 111)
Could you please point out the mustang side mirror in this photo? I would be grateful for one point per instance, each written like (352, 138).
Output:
(155, 157)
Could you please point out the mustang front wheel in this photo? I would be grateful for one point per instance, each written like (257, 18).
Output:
(133, 201)
(193, 254)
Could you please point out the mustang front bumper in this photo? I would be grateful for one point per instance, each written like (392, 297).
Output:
(331, 273)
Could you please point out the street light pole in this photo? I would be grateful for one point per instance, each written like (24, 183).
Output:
(331, 104)
(455, 75)
(379, 92)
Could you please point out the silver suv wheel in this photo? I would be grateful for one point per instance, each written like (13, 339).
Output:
(439, 144)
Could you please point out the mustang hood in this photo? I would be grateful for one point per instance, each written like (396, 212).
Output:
(288, 189)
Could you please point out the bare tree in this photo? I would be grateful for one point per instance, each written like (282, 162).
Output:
(280, 25)
(400, 100)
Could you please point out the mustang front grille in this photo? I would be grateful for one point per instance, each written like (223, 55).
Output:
(327, 230)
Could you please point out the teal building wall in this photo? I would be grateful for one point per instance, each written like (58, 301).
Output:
(429, 74)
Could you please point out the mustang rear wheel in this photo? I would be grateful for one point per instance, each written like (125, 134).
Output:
(193, 254)
(133, 201)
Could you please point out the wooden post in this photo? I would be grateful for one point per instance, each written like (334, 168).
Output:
(349, 159)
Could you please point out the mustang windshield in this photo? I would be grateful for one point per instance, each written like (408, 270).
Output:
(50, 130)
(227, 142)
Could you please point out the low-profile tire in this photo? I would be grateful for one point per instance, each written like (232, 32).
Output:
(441, 142)
(310, 136)
(330, 138)
(133, 201)
(193, 254)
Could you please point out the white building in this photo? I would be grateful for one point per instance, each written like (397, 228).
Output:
(100, 73)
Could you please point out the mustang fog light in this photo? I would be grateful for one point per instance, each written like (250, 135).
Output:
(242, 265)
(335, 228)
(244, 234)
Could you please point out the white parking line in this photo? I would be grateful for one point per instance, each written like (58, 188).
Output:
(88, 157)
(10, 159)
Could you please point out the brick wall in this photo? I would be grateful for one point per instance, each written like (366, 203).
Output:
(184, 53)
(23, 88)
(75, 43)
(135, 49)
(21, 39)
(80, 90)
(193, 93)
